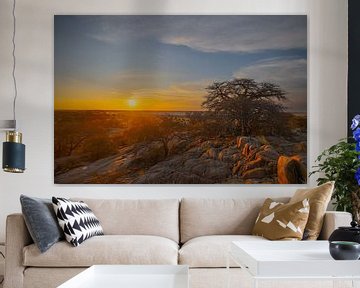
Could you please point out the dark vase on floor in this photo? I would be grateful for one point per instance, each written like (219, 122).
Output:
(351, 233)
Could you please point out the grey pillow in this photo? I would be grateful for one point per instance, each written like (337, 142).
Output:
(41, 221)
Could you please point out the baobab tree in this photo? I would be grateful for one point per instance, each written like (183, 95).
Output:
(250, 107)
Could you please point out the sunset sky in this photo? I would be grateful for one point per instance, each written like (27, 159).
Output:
(165, 62)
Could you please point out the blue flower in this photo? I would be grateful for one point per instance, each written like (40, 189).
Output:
(357, 176)
(356, 134)
(355, 122)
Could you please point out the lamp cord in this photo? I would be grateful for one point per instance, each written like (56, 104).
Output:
(14, 61)
(2, 280)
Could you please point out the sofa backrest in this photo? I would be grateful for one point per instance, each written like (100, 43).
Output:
(159, 217)
(200, 217)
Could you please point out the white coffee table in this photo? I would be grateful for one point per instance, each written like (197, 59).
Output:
(292, 260)
(131, 276)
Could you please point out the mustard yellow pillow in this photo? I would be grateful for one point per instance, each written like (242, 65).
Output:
(319, 198)
(279, 221)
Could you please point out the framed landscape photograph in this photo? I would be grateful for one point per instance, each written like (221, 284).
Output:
(218, 99)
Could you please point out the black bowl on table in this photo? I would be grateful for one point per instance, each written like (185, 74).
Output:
(344, 250)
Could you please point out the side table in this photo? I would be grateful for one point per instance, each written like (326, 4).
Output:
(131, 276)
(293, 263)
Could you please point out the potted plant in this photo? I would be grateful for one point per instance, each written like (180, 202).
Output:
(341, 163)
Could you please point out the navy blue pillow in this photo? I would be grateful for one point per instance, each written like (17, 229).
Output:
(41, 221)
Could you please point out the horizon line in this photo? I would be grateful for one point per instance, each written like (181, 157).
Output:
(123, 110)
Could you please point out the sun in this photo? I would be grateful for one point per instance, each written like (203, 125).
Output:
(132, 103)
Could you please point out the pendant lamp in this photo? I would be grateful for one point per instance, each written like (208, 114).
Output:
(13, 160)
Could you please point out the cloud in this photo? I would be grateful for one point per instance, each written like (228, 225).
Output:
(180, 87)
(242, 34)
(121, 81)
(289, 73)
(208, 33)
(178, 91)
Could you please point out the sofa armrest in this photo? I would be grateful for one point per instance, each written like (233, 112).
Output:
(17, 237)
(333, 220)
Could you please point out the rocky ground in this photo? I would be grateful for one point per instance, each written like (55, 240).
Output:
(181, 159)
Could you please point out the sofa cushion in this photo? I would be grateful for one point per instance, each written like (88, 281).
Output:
(200, 217)
(319, 198)
(211, 251)
(48, 277)
(76, 220)
(158, 217)
(41, 221)
(279, 221)
(107, 249)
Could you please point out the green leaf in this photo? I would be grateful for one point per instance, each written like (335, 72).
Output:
(339, 163)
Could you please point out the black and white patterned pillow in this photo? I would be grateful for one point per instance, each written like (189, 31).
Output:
(77, 220)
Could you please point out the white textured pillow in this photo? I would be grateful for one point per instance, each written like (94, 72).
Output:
(77, 220)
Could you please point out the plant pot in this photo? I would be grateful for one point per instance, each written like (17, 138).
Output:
(350, 234)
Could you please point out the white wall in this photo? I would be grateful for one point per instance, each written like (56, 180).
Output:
(327, 89)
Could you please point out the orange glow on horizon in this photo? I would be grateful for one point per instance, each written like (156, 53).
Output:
(78, 99)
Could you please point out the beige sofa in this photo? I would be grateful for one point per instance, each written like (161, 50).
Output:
(194, 232)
